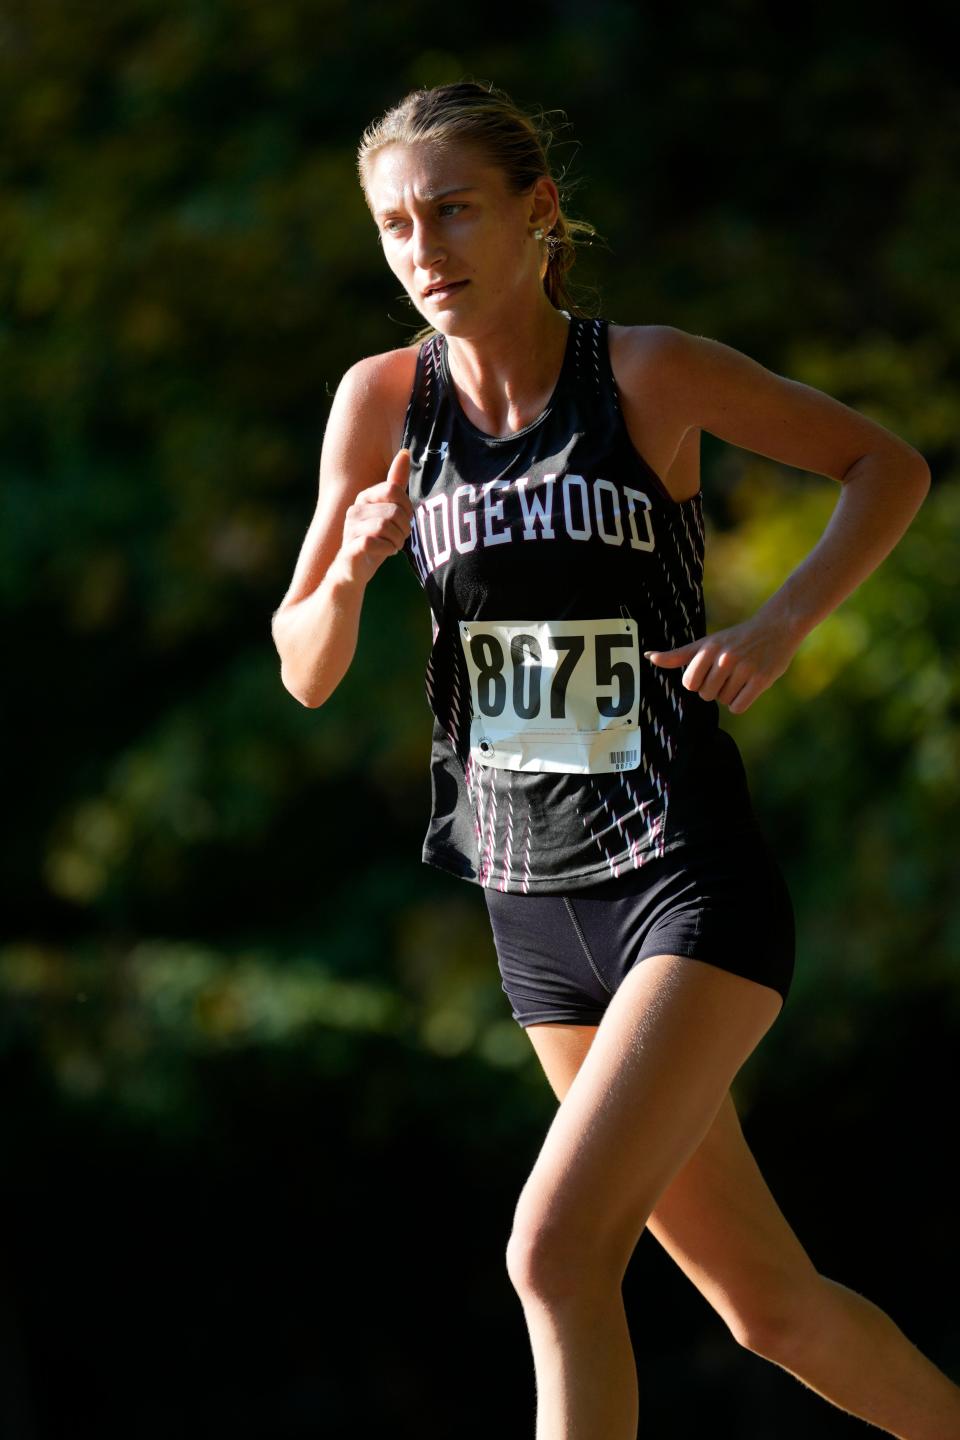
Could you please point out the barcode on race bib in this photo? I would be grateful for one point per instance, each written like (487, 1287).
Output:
(559, 695)
(623, 759)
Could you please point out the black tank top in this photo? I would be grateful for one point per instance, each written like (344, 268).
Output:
(551, 559)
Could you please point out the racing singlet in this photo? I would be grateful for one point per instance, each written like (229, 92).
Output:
(551, 559)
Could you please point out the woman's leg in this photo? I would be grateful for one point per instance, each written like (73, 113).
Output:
(718, 1220)
(670, 1042)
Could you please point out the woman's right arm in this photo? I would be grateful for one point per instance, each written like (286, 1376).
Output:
(360, 519)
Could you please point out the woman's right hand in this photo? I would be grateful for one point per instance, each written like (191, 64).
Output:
(377, 523)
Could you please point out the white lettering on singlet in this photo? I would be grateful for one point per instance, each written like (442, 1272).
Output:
(424, 542)
(469, 520)
(601, 487)
(635, 542)
(441, 551)
(415, 550)
(491, 511)
(443, 523)
(536, 509)
(585, 530)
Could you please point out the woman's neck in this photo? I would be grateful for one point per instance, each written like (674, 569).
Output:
(505, 377)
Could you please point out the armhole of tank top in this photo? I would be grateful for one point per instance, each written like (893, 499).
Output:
(412, 402)
(626, 437)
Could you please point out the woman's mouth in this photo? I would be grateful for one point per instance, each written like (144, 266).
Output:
(440, 292)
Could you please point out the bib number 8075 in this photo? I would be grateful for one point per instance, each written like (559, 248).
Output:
(554, 694)
(526, 664)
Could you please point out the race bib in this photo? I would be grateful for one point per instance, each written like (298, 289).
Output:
(554, 694)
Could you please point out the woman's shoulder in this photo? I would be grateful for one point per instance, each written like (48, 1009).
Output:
(384, 382)
(639, 347)
(647, 361)
(387, 369)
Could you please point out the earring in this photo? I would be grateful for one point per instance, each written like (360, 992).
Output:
(538, 234)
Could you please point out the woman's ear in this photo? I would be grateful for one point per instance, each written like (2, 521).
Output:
(545, 206)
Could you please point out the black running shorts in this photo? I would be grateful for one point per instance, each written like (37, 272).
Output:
(562, 956)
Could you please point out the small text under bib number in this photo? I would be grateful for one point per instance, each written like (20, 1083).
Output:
(554, 694)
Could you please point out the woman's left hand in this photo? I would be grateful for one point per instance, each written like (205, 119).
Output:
(732, 666)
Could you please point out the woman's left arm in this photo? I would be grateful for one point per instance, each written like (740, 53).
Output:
(883, 484)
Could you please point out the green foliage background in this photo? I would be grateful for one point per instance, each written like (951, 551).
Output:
(222, 958)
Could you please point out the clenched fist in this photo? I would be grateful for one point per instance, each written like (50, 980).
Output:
(378, 522)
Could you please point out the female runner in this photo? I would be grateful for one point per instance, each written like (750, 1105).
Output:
(542, 477)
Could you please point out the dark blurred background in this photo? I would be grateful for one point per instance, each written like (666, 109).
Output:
(265, 1113)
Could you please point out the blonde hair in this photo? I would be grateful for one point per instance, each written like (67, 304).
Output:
(513, 141)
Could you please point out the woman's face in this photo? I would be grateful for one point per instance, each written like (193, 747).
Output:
(444, 214)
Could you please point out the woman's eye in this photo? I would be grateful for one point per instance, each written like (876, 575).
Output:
(392, 225)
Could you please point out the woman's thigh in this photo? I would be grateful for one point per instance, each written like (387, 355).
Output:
(642, 1100)
(717, 1218)
(721, 1224)
(677, 970)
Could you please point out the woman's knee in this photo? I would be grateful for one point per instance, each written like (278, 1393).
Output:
(552, 1262)
(777, 1322)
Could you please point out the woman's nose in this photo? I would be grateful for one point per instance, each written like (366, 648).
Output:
(427, 248)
